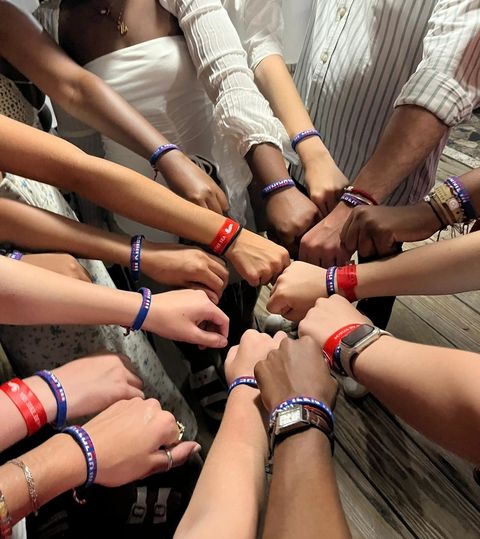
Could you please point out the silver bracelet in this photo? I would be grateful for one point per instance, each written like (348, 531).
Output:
(32, 491)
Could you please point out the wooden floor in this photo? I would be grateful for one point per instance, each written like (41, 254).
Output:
(393, 482)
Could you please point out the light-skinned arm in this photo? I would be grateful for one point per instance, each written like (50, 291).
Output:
(35, 229)
(33, 154)
(177, 315)
(433, 389)
(86, 97)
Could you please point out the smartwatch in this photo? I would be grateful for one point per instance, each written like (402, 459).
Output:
(355, 342)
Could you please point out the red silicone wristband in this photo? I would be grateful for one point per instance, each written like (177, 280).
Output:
(224, 236)
(364, 194)
(334, 340)
(27, 403)
(347, 281)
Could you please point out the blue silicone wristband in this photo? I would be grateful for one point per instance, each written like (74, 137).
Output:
(275, 186)
(59, 393)
(302, 136)
(160, 151)
(330, 280)
(243, 380)
(86, 445)
(143, 311)
(135, 256)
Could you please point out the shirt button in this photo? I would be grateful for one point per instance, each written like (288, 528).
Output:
(341, 12)
(324, 57)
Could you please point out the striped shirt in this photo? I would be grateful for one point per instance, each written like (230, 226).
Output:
(362, 58)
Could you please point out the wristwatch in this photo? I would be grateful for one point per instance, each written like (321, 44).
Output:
(294, 419)
(355, 342)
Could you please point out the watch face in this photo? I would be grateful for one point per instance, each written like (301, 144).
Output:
(289, 417)
(357, 335)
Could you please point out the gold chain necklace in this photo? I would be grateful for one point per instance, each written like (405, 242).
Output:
(119, 20)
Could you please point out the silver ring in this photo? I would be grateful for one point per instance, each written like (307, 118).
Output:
(170, 459)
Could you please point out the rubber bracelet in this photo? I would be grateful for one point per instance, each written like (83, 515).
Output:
(231, 241)
(27, 403)
(15, 255)
(347, 281)
(82, 438)
(330, 280)
(160, 151)
(309, 401)
(355, 191)
(243, 380)
(353, 200)
(59, 393)
(276, 186)
(142, 312)
(225, 236)
(334, 340)
(135, 256)
(456, 185)
(302, 136)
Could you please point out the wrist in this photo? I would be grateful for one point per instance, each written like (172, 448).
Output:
(313, 153)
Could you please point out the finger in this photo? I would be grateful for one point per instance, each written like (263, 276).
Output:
(134, 380)
(349, 233)
(279, 337)
(180, 454)
(212, 296)
(135, 392)
(209, 339)
(214, 204)
(218, 267)
(365, 246)
(218, 318)
(277, 303)
(222, 201)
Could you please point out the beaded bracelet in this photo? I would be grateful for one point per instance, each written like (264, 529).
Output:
(277, 185)
(353, 200)
(160, 151)
(302, 136)
(330, 280)
(59, 393)
(135, 255)
(143, 311)
(15, 255)
(5, 519)
(225, 237)
(243, 380)
(32, 489)
(27, 403)
(310, 401)
(82, 438)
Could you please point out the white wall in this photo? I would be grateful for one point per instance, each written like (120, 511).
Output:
(295, 14)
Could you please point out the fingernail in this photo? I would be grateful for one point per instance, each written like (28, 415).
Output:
(197, 449)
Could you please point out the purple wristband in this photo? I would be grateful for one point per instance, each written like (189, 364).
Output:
(330, 280)
(463, 197)
(353, 200)
(302, 136)
(143, 311)
(243, 380)
(135, 254)
(15, 255)
(162, 150)
(59, 393)
(86, 445)
(275, 186)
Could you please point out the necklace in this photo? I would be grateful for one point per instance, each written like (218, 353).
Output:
(119, 20)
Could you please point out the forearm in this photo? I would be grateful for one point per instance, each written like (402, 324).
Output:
(302, 472)
(409, 137)
(57, 466)
(267, 164)
(33, 154)
(231, 487)
(447, 267)
(433, 389)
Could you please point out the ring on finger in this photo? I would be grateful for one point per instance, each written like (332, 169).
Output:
(169, 457)
(181, 430)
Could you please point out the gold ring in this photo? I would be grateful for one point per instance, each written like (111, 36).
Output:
(170, 459)
(181, 430)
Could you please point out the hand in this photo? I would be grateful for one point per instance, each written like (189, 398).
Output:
(296, 290)
(185, 267)
(192, 183)
(325, 183)
(59, 263)
(93, 383)
(188, 316)
(327, 317)
(128, 438)
(375, 230)
(290, 214)
(321, 245)
(296, 368)
(257, 260)
(253, 347)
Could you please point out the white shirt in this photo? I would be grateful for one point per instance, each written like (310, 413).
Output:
(362, 58)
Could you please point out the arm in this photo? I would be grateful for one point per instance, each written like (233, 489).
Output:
(40, 230)
(88, 98)
(33, 154)
(433, 389)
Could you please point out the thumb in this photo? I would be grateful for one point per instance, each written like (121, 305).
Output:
(209, 339)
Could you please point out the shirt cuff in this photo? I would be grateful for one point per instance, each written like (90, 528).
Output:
(438, 93)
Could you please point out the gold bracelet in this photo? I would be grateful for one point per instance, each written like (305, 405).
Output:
(32, 491)
(5, 519)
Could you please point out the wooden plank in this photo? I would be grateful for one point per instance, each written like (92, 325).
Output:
(427, 502)
(368, 514)
(472, 299)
